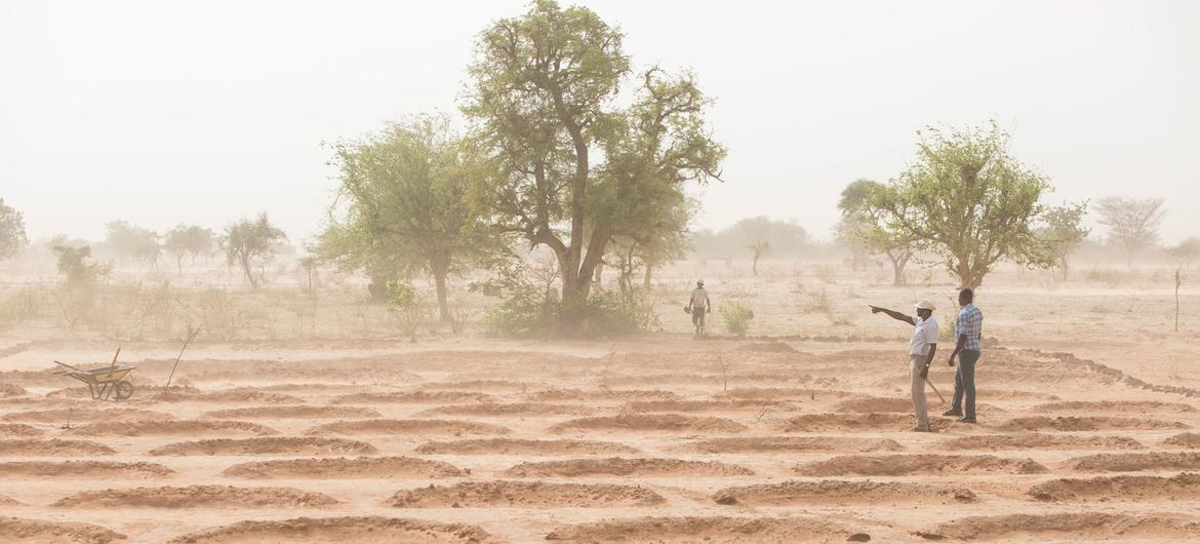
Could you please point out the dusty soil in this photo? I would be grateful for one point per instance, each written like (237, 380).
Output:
(486, 441)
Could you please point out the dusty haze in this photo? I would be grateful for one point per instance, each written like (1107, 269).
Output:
(164, 113)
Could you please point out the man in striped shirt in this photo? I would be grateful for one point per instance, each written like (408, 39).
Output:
(968, 329)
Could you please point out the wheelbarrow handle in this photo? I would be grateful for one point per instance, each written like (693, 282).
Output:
(76, 369)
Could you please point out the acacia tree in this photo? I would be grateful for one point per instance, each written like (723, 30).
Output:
(664, 240)
(1186, 251)
(969, 201)
(866, 225)
(1063, 232)
(185, 240)
(251, 244)
(131, 242)
(404, 202)
(1132, 223)
(573, 167)
(12, 231)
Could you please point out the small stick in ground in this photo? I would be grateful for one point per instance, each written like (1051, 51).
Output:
(192, 332)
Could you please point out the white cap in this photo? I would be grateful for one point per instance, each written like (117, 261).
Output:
(925, 304)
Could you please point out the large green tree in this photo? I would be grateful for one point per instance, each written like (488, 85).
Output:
(574, 168)
(251, 244)
(403, 207)
(969, 201)
(12, 231)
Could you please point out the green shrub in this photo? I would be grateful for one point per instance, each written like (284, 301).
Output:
(736, 316)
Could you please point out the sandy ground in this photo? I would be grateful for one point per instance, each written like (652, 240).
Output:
(1088, 416)
(668, 440)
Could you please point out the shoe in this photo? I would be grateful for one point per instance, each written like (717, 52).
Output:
(952, 412)
(922, 430)
(965, 420)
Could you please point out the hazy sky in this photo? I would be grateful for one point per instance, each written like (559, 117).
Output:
(204, 112)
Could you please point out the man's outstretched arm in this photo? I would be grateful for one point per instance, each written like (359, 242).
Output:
(893, 314)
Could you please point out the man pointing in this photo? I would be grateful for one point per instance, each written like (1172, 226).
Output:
(921, 349)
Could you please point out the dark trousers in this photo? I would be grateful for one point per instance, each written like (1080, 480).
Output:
(964, 383)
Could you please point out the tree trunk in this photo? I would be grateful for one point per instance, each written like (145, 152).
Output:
(179, 264)
(646, 278)
(1065, 269)
(898, 264)
(439, 279)
(377, 290)
(246, 269)
(754, 265)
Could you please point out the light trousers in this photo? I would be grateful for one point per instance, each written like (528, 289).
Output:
(915, 364)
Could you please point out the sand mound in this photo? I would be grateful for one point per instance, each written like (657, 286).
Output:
(412, 397)
(1134, 462)
(1041, 441)
(654, 422)
(1118, 406)
(1182, 486)
(1088, 526)
(837, 422)
(408, 426)
(54, 532)
(767, 347)
(19, 430)
(188, 427)
(1021, 395)
(616, 466)
(838, 492)
(710, 405)
(275, 445)
(197, 496)
(64, 416)
(6, 501)
(362, 467)
(1185, 440)
(900, 465)
(783, 393)
(11, 390)
(191, 394)
(295, 412)
(876, 404)
(508, 446)
(52, 448)
(1036, 423)
(515, 409)
(359, 530)
(476, 385)
(702, 530)
(796, 444)
(85, 469)
(602, 394)
(525, 494)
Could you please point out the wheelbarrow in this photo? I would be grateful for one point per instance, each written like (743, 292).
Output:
(104, 382)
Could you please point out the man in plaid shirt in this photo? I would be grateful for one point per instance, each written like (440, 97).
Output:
(968, 329)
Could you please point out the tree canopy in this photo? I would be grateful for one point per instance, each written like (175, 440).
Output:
(1132, 223)
(402, 205)
(969, 201)
(1063, 231)
(864, 226)
(12, 231)
(573, 168)
(251, 244)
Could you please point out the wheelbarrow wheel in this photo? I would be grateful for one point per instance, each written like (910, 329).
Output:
(124, 390)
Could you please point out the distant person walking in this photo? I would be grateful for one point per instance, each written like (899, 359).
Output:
(921, 348)
(968, 330)
(698, 305)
